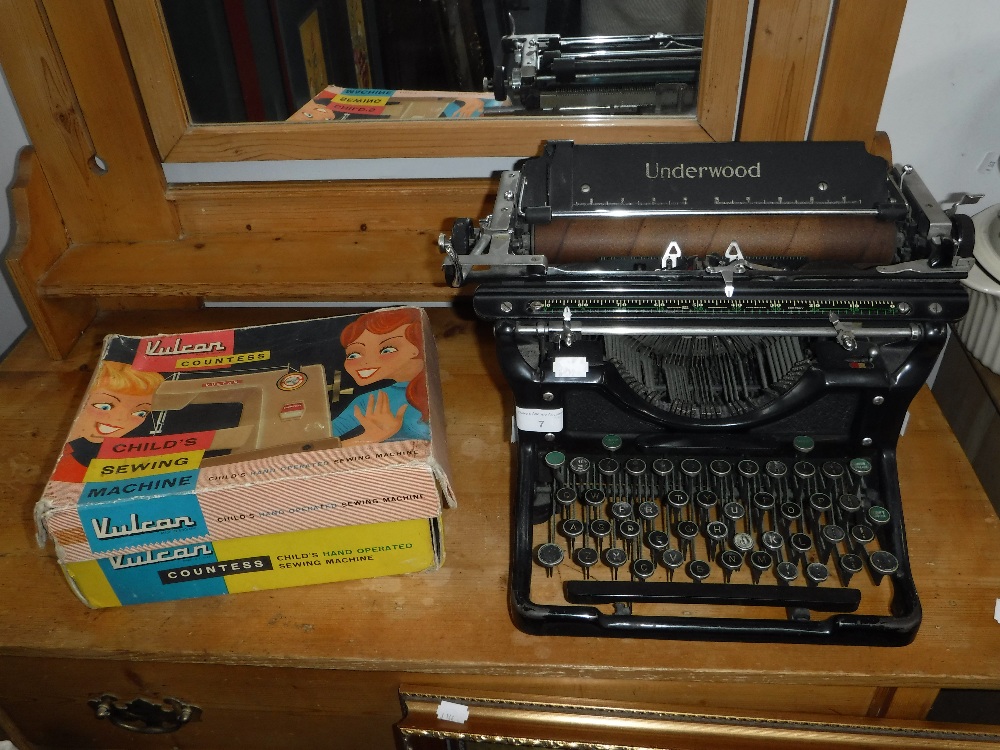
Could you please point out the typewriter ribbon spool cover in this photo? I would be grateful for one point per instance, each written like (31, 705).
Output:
(216, 462)
(718, 344)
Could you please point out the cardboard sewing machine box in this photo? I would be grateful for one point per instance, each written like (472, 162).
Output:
(253, 458)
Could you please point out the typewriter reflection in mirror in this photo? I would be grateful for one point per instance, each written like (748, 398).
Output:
(712, 349)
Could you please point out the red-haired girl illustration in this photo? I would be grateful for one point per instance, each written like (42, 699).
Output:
(385, 345)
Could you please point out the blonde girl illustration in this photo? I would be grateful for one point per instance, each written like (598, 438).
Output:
(385, 345)
(118, 402)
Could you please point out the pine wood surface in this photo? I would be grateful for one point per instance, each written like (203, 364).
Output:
(455, 620)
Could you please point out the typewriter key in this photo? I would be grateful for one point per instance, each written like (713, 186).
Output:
(642, 568)
(585, 558)
(790, 512)
(635, 466)
(816, 573)
(579, 465)
(733, 512)
(882, 564)
(672, 560)
(571, 529)
(705, 500)
(549, 555)
(743, 542)
(663, 466)
(776, 469)
(786, 572)
(611, 442)
(607, 466)
(801, 544)
(621, 510)
(593, 497)
(720, 468)
(831, 535)
(565, 496)
(686, 533)
(677, 500)
(555, 459)
(849, 505)
(716, 532)
(772, 542)
(699, 570)
(803, 443)
(648, 510)
(848, 565)
(819, 503)
(759, 562)
(657, 541)
(862, 534)
(862, 467)
(748, 468)
(629, 529)
(614, 558)
(691, 467)
(878, 516)
(804, 470)
(731, 561)
(599, 529)
(832, 470)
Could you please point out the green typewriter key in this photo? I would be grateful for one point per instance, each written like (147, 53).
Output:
(803, 443)
(555, 460)
(549, 555)
(878, 516)
(586, 557)
(672, 560)
(861, 467)
(611, 442)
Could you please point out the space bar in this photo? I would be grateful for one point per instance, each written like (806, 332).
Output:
(818, 598)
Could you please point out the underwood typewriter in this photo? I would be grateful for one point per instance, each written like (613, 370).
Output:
(634, 74)
(712, 349)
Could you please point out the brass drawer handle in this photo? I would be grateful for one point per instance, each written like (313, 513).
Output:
(143, 716)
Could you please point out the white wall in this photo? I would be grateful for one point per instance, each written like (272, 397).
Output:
(12, 139)
(941, 111)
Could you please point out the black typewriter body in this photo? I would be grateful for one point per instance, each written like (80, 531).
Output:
(706, 442)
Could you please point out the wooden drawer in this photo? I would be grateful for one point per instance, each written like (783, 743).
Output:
(249, 707)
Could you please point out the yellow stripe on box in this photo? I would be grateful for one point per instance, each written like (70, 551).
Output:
(89, 582)
(224, 360)
(299, 558)
(113, 469)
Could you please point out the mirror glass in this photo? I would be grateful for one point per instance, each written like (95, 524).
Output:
(330, 60)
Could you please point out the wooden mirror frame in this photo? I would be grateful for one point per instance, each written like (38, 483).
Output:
(180, 140)
(98, 227)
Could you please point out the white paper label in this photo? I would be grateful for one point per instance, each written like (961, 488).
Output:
(996, 611)
(456, 712)
(539, 420)
(570, 367)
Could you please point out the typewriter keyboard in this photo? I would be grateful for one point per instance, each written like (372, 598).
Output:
(796, 531)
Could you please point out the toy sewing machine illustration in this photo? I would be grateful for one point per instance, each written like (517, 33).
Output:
(283, 410)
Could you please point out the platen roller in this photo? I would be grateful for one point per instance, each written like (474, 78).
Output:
(843, 239)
